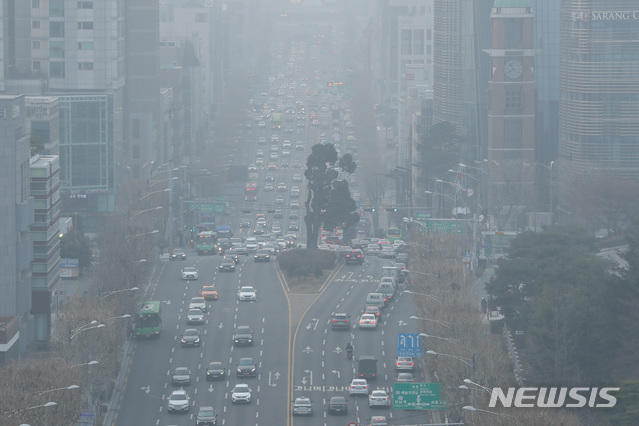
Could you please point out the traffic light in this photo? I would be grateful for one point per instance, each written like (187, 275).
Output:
(371, 209)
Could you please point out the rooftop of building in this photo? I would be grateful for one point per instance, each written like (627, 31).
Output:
(512, 3)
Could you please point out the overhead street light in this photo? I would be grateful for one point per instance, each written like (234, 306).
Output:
(422, 294)
(458, 358)
(110, 293)
(444, 323)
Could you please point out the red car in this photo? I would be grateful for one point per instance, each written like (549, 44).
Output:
(208, 292)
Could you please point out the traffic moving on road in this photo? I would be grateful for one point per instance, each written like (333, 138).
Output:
(237, 347)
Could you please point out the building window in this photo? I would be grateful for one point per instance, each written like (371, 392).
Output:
(135, 128)
(513, 100)
(56, 8)
(406, 42)
(35, 24)
(35, 44)
(56, 69)
(56, 49)
(85, 45)
(418, 42)
(86, 66)
(85, 5)
(85, 25)
(56, 29)
(36, 66)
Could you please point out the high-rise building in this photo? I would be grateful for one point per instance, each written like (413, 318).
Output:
(16, 250)
(599, 104)
(461, 70)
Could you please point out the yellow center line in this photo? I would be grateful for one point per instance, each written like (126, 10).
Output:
(291, 343)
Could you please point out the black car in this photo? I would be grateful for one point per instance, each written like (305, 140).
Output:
(233, 254)
(243, 335)
(206, 416)
(262, 255)
(191, 337)
(215, 371)
(340, 321)
(224, 243)
(177, 254)
(246, 368)
(354, 256)
(337, 405)
(227, 264)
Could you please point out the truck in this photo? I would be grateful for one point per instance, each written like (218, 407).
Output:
(367, 367)
(391, 271)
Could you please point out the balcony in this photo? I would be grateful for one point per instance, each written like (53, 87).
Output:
(9, 327)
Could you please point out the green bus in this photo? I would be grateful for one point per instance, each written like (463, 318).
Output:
(148, 321)
(205, 242)
(393, 234)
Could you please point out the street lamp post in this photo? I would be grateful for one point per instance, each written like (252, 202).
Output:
(458, 358)
(422, 294)
(130, 237)
(93, 324)
(84, 363)
(444, 323)
(71, 387)
(153, 192)
(134, 214)
(110, 293)
(9, 414)
(484, 388)
(471, 408)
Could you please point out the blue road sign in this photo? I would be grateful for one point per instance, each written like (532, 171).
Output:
(409, 344)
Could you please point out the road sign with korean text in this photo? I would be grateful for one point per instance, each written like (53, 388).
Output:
(417, 396)
(409, 344)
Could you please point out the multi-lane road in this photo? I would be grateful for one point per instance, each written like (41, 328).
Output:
(294, 358)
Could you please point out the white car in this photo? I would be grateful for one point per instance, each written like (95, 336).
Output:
(379, 398)
(241, 393)
(251, 243)
(198, 303)
(358, 387)
(179, 401)
(189, 273)
(247, 293)
(368, 321)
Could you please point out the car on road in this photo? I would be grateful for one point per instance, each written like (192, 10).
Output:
(281, 186)
(404, 378)
(404, 363)
(206, 416)
(208, 292)
(177, 254)
(179, 402)
(374, 310)
(340, 321)
(269, 187)
(372, 250)
(297, 177)
(215, 371)
(241, 393)
(198, 303)
(181, 376)
(245, 223)
(232, 254)
(262, 255)
(246, 368)
(227, 264)
(368, 321)
(293, 227)
(191, 337)
(387, 253)
(354, 256)
(194, 316)
(259, 230)
(251, 243)
(243, 335)
(261, 140)
(294, 205)
(302, 406)
(189, 273)
(379, 398)
(337, 405)
(247, 293)
(358, 387)
(379, 421)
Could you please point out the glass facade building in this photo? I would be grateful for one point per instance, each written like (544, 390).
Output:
(599, 105)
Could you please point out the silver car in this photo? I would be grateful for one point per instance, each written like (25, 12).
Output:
(195, 316)
(179, 401)
(379, 398)
(241, 393)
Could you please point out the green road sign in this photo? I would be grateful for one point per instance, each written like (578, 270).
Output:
(208, 207)
(417, 396)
